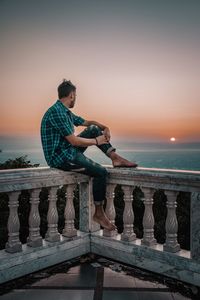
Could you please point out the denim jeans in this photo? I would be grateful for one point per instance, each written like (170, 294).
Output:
(91, 168)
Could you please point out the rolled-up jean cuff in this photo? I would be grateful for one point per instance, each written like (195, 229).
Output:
(99, 202)
(110, 150)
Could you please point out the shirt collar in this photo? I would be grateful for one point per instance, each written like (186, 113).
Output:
(59, 103)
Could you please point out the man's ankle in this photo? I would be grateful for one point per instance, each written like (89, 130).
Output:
(113, 155)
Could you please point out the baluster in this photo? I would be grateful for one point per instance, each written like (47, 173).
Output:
(69, 229)
(84, 211)
(195, 226)
(128, 216)
(148, 218)
(171, 244)
(13, 245)
(110, 209)
(34, 239)
(93, 226)
(52, 234)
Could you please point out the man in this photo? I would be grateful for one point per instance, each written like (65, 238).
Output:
(65, 151)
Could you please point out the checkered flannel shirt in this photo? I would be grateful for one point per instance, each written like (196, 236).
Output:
(57, 123)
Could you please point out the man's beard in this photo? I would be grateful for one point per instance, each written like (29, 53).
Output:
(72, 104)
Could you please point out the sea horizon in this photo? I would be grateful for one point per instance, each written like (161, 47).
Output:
(183, 156)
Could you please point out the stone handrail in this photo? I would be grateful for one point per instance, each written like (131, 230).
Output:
(166, 179)
(33, 180)
(150, 180)
(170, 182)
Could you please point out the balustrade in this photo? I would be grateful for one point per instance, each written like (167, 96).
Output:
(89, 237)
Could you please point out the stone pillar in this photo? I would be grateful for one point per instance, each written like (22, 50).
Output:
(110, 209)
(13, 245)
(52, 234)
(94, 226)
(84, 212)
(34, 239)
(69, 230)
(148, 219)
(195, 226)
(128, 216)
(171, 244)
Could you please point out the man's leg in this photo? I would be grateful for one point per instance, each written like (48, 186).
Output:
(92, 132)
(99, 174)
(117, 161)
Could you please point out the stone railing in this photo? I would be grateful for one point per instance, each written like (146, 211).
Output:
(17, 259)
(168, 259)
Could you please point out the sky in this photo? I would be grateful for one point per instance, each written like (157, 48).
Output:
(135, 64)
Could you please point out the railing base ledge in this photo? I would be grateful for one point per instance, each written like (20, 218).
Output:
(152, 259)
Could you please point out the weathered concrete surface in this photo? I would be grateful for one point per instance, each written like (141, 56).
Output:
(31, 178)
(176, 265)
(165, 179)
(195, 226)
(34, 259)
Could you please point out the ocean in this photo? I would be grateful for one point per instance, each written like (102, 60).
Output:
(150, 155)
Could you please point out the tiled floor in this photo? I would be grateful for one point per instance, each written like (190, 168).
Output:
(49, 294)
(92, 280)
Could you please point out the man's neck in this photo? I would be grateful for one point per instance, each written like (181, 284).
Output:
(65, 102)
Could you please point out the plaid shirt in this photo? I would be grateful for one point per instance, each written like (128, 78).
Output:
(57, 123)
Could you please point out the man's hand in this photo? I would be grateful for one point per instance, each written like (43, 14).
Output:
(106, 133)
(101, 139)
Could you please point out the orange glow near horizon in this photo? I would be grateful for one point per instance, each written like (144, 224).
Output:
(138, 78)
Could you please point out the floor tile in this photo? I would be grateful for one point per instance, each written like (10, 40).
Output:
(115, 279)
(177, 296)
(144, 283)
(80, 276)
(49, 295)
(120, 295)
(155, 296)
(79, 282)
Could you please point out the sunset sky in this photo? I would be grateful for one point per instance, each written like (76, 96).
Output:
(135, 64)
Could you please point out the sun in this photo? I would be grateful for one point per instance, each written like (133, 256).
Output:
(172, 139)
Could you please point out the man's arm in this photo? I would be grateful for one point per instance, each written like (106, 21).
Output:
(105, 129)
(88, 123)
(83, 142)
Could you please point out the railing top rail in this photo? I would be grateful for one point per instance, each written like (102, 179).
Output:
(166, 179)
(141, 169)
(30, 178)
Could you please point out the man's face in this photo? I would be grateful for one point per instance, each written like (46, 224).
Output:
(73, 99)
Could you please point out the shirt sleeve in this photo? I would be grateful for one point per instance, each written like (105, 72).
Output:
(77, 120)
(61, 122)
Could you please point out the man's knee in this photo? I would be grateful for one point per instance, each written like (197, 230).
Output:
(103, 172)
(99, 172)
(95, 130)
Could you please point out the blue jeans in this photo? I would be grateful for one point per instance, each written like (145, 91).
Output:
(91, 168)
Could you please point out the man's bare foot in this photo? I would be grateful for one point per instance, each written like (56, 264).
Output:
(119, 161)
(123, 163)
(104, 222)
